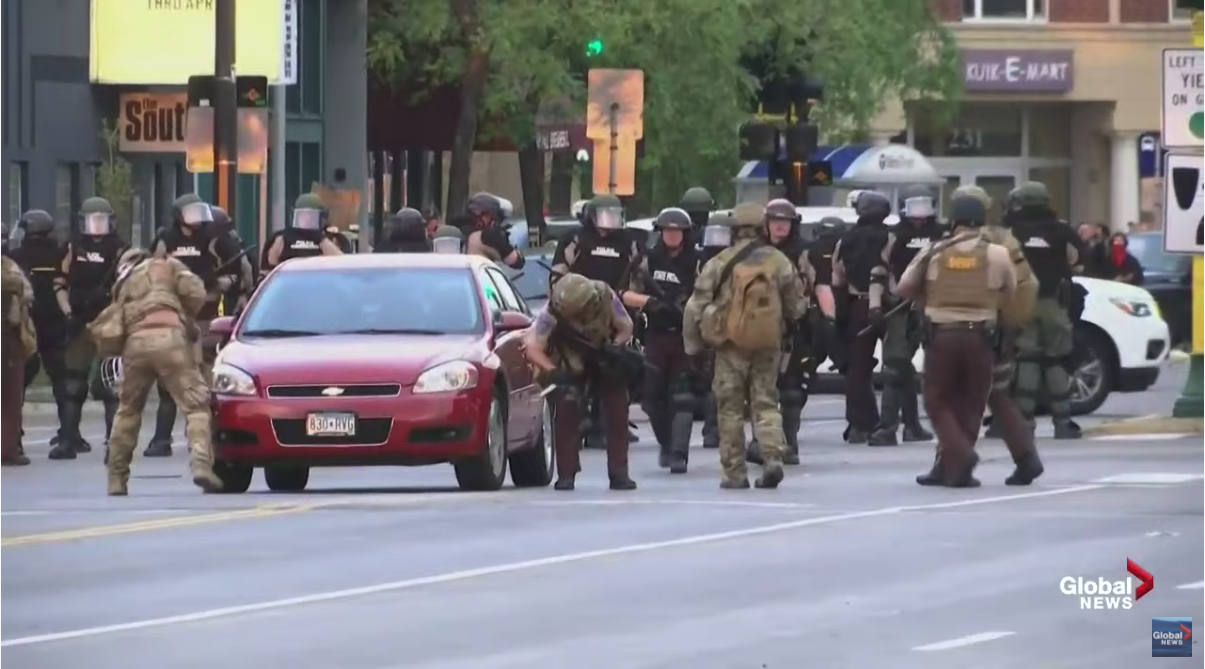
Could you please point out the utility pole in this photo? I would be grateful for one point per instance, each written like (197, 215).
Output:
(225, 113)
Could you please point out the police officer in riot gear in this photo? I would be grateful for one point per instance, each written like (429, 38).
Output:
(716, 236)
(41, 256)
(305, 236)
(827, 342)
(489, 237)
(698, 204)
(660, 288)
(240, 292)
(404, 232)
(918, 230)
(1046, 345)
(859, 282)
(447, 239)
(600, 251)
(782, 231)
(82, 291)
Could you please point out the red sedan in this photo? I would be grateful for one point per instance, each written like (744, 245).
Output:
(380, 359)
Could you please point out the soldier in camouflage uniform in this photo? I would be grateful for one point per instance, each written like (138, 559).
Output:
(20, 344)
(745, 373)
(152, 323)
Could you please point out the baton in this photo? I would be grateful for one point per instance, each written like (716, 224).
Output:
(894, 310)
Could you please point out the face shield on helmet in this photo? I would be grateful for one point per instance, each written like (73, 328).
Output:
(445, 245)
(307, 219)
(608, 218)
(717, 236)
(111, 373)
(918, 208)
(195, 214)
(96, 224)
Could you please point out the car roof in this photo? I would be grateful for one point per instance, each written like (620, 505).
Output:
(385, 261)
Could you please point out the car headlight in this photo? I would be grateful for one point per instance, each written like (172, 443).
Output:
(448, 377)
(1137, 309)
(230, 380)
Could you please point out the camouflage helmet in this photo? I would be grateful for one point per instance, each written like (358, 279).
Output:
(697, 199)
(748, 215)
(574, 294)
(1031, 194)
(781, 210)
(309, 201)
(95, 205)
(447, 239)
(672, 218)
(967, 210)
(973, 191)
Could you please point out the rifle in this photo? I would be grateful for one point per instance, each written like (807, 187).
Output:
(906, 304)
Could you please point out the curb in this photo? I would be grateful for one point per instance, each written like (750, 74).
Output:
(1153, 424)
(1176, 355)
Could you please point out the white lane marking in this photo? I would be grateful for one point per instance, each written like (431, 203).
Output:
(672, 502)
(1199, 585)
(526, 565)
(103, 512)
(1142, 437)
(962, 642)
(1150, 478)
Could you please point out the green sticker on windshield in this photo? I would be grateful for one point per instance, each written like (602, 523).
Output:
(491, 294)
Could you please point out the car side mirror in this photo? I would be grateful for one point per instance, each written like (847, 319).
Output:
(510, 321)
(223, 327)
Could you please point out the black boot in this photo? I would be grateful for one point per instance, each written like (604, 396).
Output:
(753, 452)
(1028, 468)
(965, 478)
(110, 415)
(160, 445)
(915, 433)
(882, 437)
(935, 475)
(1065, 428)
(910, 411)
(622, 482)
(792, 420)
(889, 418)
(711, 428)
(18, 458)
(770, 477)
(854, 436)
(67, 446)
(679, 450)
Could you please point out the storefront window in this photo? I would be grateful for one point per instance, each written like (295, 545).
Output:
(1058, 182)
(1007, 10)
(64, 177)
(305, 96)
(1181, 10)
(1050, 131)
(978, 130)
(16, 190)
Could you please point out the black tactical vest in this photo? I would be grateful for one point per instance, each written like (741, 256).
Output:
(300, 244)
(820, 255)
(93, 270)
(675, 275)
(601, 258)
(1044, 243)
(861, 250)
(909, 241)
(193, 251)
(42, 261)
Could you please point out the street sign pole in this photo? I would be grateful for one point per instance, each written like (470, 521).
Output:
(1191, 403)
(225, 113)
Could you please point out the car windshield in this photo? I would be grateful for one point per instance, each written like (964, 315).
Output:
(365, 301)
(1147, 247)
(532, 280)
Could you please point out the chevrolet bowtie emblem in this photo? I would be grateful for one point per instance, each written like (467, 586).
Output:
(333, 391)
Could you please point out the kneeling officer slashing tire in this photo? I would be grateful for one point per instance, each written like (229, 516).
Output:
(742, 301)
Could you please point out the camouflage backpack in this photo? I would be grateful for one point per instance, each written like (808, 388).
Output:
(752, 318)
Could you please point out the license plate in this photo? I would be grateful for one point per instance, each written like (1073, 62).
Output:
(330, 424)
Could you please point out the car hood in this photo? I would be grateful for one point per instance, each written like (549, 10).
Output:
(349, 358)
(1104, 289)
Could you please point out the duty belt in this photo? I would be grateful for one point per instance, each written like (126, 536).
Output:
(962, 326)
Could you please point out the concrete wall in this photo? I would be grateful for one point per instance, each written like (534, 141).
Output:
(51, 115)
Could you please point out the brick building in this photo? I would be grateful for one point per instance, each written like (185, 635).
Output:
(1062, 91)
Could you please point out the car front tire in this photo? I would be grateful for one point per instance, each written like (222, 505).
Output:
(533, 467)
(236, 478)
(1095, 374)
(486, 471)
(287, 479)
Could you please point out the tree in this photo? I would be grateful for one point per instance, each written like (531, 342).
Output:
(115, 178)
(511, 54)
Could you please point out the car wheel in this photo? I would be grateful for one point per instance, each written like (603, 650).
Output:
(236, 478)
(487, 470)
(533, 467)
(286, 479)
(1093, 376)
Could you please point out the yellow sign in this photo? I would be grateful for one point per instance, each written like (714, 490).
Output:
(164, 42)
(625, 167)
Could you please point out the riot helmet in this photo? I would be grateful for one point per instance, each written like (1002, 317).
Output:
(447, 239)
(96, 217)
(192, 212)
(782, 210)
(1030, 195)
(973, 191)
(406, 225)
(309, 212)
(486, 209)
(111, 373)
(717, 234)
(604, 212)
(674, 221)
(575, 295)
(967, 211)
(222, 223)
(748, 216)
(872, 207)
(698, 203)
(917, 204)
(36, 224)
(832, 223)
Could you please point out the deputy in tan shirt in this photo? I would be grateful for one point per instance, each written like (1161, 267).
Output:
(962, 281)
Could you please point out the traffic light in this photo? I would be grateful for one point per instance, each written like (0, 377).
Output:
(759, 141)
(594, 48)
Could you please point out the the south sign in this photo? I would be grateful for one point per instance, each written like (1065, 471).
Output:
(152, 119)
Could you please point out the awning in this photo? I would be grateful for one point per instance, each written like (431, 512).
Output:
(840, 156)
(863, 166)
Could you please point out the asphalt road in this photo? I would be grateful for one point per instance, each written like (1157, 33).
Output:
(849, 564)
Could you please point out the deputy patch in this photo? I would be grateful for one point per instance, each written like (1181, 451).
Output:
(961, 263)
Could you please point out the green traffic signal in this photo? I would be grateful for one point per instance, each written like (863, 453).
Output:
(594, 48)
